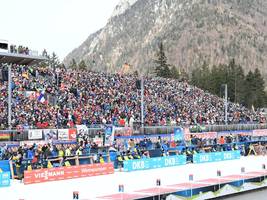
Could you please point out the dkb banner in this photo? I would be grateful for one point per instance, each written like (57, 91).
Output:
(4, 179)
(152, 163)
(216, 156)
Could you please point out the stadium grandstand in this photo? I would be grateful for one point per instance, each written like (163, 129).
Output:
(57, 118)
(44, 98)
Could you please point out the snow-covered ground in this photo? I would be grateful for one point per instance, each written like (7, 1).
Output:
(93, 187)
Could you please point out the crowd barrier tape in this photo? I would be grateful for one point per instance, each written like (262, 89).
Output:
(216, 156)
(63, 173)
(153, 163)
(4, 179)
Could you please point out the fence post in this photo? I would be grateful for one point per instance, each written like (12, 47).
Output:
(77, 163)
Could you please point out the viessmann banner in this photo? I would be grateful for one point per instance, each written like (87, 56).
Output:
(63, 173)
(152, 163)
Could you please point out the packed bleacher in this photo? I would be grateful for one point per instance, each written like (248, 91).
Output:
(45, 98)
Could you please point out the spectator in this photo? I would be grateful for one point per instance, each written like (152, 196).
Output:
(90, 98)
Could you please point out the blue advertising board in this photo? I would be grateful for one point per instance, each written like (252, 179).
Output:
(178, 134)
(4, 165)
(216, 156)
(4, 179)
(153, 163)
(109, 135)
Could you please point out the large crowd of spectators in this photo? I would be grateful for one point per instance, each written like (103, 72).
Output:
(45, 98)
(47, 155)
(19, 49)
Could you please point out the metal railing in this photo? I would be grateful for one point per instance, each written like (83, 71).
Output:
(234, 127)
(22, 135)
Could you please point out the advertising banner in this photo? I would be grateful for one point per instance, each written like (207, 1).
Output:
(109, 135)
(82, 131)
(259, 132)
(72, 134)
(35, 134)
(153, 163)
(216, 156)
(4, 165)
(63, 134)
(178, 134)
(4, 179)
(63, 173)
(50, 134)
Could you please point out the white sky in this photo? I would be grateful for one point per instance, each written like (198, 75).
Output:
(56, 25)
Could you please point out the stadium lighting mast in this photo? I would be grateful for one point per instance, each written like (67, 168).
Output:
(10, 59)
(9, 97)
(226, 104)
(142, 101)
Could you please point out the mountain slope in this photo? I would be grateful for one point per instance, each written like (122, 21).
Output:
(192, 31)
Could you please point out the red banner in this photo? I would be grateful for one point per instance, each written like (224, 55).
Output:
(63, 173)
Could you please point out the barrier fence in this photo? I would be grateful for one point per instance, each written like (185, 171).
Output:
(216, 156)
(98, 134)
(81, 130)
(153, 163)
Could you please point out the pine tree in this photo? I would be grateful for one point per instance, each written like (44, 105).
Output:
(162, 67)
(247, 90)
(46, 62)
(73, 64)
(183, 75)
(259, 89)
(196, 79)
(235, 81)
(205, 77)
(250, 95)
(54, 61)
(82, 65)
(174, 73)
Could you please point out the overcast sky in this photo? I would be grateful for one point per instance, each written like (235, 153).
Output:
(57, 25)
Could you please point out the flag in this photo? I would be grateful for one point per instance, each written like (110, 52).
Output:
(41, 97)
(25, 75)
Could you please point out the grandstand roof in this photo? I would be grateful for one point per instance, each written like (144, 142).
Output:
(20, 59)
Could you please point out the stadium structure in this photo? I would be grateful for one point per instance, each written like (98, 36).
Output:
(124, 162)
